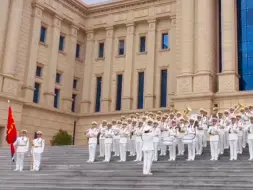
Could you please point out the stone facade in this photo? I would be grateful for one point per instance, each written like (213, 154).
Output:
(191, 59)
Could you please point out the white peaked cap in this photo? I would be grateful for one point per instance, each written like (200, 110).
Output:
(150, 121)
(232, 116)
(39, 132)
(94, 123)
(146, 128)
(23, 131)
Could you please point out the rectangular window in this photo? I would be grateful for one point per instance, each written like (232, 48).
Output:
(165, 41)
(73, 108)
(75, 83)
(58, 78)
(43, 32)
(119, 92)
(38, 71)
(56, 97)
(140, 90)
(36, 94)
(101, 47)
(98, 94)
(121, 47)
(61, 43)
(143, 44)
(163, 92)
(78, 50)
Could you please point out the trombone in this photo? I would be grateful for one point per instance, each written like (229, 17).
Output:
(238, 107)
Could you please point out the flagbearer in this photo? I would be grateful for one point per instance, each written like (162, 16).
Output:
(37, 150)
(21, 145)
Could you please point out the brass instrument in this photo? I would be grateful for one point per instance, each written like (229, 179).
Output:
(187, 110)
(238, 107)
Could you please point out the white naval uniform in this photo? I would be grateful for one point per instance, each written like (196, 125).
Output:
(156, 139)
(222, 131)
(116, 138)
(172, 148)
(181, 134)
(226, 122)
(92, 134)
(124, 136)
(199, 138)
(250, 140)
(37, 150)
(148, 149)
(213, 131)
(108, 144)
(132, 140)
(21, 145)
(164, 133)
(240, 136)
(233, 138)
(191, 146)
(138, 143)
(102, 140)
(205, 136)
(245, 123)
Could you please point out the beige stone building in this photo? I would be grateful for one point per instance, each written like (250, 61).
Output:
(64, 62)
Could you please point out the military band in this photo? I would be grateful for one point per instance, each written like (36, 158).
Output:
(171, 132)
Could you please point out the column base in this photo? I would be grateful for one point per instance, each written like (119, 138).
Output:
(228, 82)
(67, 104)
(149, 102)
(85, 106)
(9, 85)
(49, 98)
(203, 82)
(126, 103)
(105, 105)
(184, 84)
(27, 93)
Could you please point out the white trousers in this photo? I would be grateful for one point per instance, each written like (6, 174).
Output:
(36, 161)
(132, 147)
(163, 149)
(205, 137)
(214, 149)
(138, 146)
(180, 146)
(155, 156)
(108, 152)
(147, 161)
(226, 141)
(191, 151)
(250, 142)
(20, 160)
(233, 149)
(173, 152)
(92, 152)
(116, 146)
(102, 147)
(199, 144)
(239, 144)
(245, 137)
(122, 148)
(221, 143)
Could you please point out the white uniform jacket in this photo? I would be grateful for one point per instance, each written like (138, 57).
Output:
(124, 135)
(138, 133)
(157, 133)
(213, 131)
(21, 144)
(93, 134)
(38, 146)
(108, 136)
(233, 132)
(147, 141)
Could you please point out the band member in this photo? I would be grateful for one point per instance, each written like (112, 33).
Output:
(181, 130)
(114, 123)
(240, 133)
(148, 149)
(173, 133)
(233, 138)
(191, 146)
(213, 131)
(129, 145)
(164, 132)
(250, 138)
(108, 142)
(132, 138)
(245, 122)
(157, 132)
(21, 145)
(124, 135)
(92, 134)
(138, 141)
(199, 135)
(102, 129)
(116, 137)
(37, 150)
(204, 124)
(221, 132)
(226, 123)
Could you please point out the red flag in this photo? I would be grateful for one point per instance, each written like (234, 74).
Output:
(11, 132)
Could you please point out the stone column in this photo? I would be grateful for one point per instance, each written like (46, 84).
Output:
(86, 102)
(10, 84)
(206, 46)
(68, 75)
(184, 80)
(28, 87)
(52, 64)
(107, 76)
(128, 72)
(228, 79)
(150, 70)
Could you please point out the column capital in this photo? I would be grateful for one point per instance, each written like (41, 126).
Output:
(74, 28)
(57, 21)
(37, 10)
(90, 33)
(130, 28)
(130, 24)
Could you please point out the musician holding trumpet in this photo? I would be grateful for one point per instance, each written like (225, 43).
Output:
(213, 131)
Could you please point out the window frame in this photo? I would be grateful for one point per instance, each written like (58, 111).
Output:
(162, 40)
(140, 44)
(103, 52)
(60, 77)
(45, 36)
(38, 95)
(124, 47)
(57, 97)
(64, 42)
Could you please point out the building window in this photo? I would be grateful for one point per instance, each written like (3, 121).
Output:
(143, 44)
(43, 32)
(36, 94)
(165, 41)
(140, 90)
(61, 43)
(73, 108)
(101, 47)
(119, 92)
(163, 92)
(98, 94)
(38, 71)
(78, 50)
(75, 83)
(56, 97)
(121, 47)
(58, 78)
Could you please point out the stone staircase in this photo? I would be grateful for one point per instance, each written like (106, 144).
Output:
(65, 168)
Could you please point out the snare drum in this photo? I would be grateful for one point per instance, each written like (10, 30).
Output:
(169, 141)
(188, 139)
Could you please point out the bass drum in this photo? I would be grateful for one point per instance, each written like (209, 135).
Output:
(188, 139)
(169, 140)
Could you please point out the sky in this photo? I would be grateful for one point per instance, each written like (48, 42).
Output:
(94, 1)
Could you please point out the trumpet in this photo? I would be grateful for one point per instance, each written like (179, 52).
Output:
(187, 110)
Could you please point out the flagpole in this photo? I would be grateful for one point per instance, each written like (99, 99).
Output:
(12, 156)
